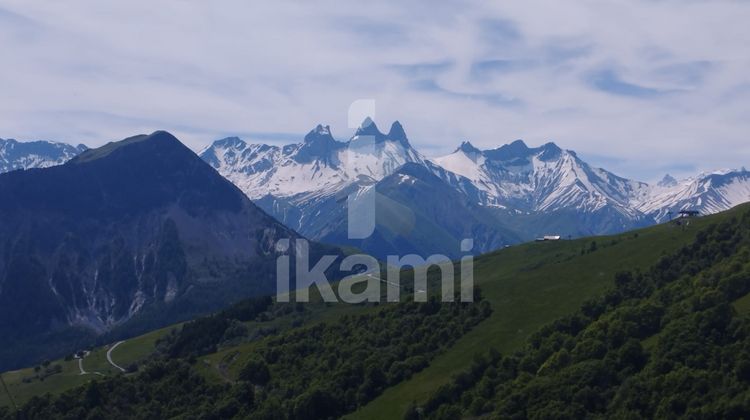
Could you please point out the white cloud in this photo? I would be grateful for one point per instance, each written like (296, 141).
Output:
(654, 84)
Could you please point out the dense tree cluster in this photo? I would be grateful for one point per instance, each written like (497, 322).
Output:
(317, 371)
(203, 335)
(662, 344)
(331, 369)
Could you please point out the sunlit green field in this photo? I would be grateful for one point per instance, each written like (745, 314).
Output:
(95, 365)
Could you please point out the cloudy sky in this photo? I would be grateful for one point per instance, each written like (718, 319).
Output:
(638, 87)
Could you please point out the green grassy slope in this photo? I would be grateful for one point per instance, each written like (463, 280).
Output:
(135, 350)
(742, 305)
(592, 363)
(22, 391)
(531, 285)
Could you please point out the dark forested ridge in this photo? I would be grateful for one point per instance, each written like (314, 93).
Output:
(666, 343)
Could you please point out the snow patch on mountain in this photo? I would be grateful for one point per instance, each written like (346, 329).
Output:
(466, 161)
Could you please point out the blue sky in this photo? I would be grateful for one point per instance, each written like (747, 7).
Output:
(638, 87)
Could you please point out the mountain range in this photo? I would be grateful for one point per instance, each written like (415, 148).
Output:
(35, 154)
(497, 197)
(423, 205)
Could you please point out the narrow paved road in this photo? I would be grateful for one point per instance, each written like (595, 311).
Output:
(80, 365)
(80, 362)
(109, 356)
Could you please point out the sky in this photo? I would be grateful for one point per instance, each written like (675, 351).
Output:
(639, 87)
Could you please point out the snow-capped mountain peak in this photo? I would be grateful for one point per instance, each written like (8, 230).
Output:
(369, 128)
(551, 151)
(707, 192)
(322, 130)
(370, 153)
(397, 133)
(468, 149)
(667, 181)
(319, 145)
(507, 152)
(319, 165)
(35, 154)
(466, 161)
(232, 142)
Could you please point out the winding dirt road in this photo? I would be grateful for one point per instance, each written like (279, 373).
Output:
(109, 356)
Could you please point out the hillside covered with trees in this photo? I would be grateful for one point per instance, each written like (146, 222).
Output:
(319, 371)
(670, 342)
